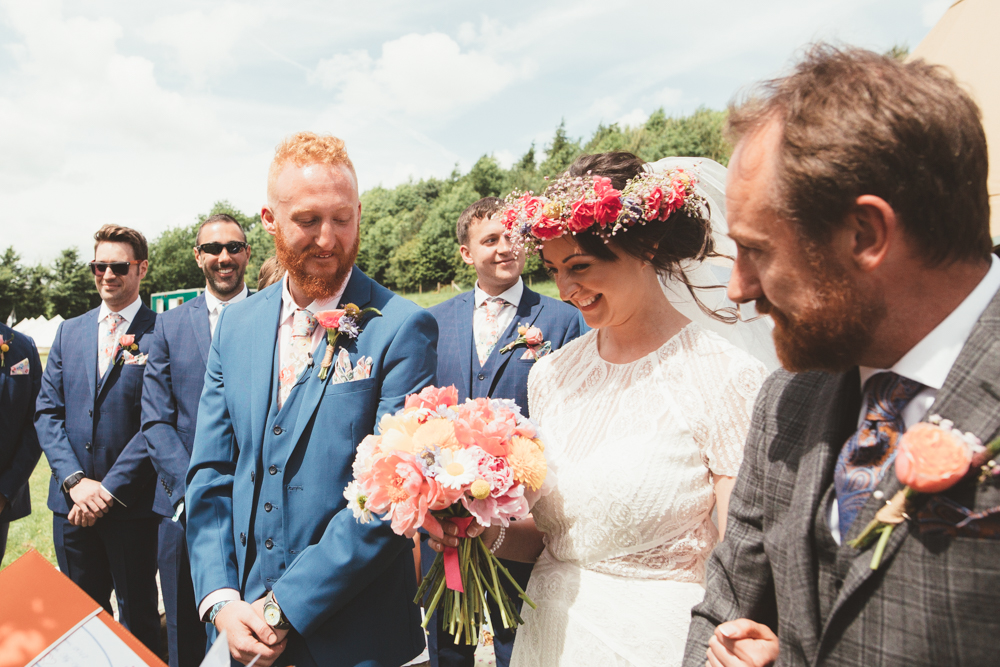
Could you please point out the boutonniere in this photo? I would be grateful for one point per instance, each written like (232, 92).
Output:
(4, 349)
(126, 342)
(531, 338)
(932, 457)
(347, 321)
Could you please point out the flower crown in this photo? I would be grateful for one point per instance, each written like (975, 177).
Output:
(577, 204)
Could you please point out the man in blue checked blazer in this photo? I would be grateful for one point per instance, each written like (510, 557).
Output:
(279, 561)
(88, 418)
(20, 379)
(474, 328)
(175, 376)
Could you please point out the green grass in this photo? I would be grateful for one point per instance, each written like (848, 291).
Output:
(35, 531)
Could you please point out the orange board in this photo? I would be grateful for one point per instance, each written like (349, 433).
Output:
(39, 605)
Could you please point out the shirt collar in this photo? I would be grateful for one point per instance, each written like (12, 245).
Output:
(127, 313)
(212, 302)
(929, 361)
(512, 295)
(288, 305)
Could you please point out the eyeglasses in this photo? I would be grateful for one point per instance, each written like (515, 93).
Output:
(233, 247)
(118, 268)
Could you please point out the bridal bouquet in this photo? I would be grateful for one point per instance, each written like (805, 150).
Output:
(436, 459)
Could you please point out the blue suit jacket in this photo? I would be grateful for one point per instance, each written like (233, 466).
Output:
(19, 449)
(93, 425)
(346, 587)
(171, 391)
(503, 375)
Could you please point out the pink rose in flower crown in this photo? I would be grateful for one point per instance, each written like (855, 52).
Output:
(932, 458)
(607, 209)
(584, 216)
(432, 397)
(533, 336)
(653, 202)
(532, 206)
(602, 186)
(330, 319)
(546, 229)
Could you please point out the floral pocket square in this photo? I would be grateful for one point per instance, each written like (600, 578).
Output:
(538, 351)
(20, 368)
(134, 359)
(344, 372)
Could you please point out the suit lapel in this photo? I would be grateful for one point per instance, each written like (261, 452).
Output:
(466, 340)
(970, 398)
(528, 311)
(825, 436)
(90, 351)
(143, 320)
(262, 353)
(201, 326)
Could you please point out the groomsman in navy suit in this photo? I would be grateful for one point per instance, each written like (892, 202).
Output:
(88, 418)
(175, 376)
(279, 561)
(474, 327)
(20, 378)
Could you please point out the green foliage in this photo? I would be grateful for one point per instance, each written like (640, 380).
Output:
(407, 232)
(899, 51)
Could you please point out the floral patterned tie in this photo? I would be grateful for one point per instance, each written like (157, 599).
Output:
(870, 452)
(488, 326)
(297, 352)
(109, 342)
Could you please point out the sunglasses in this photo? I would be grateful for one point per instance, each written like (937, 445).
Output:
(118, 268)
(233, 247)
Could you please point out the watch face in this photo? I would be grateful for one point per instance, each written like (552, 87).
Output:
(272, 614)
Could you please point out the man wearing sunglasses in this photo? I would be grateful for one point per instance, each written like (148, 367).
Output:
(175, 375)
(88, 418)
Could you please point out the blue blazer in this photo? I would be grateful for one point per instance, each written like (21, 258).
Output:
(19, 450)
(171, 391)
(346, 587)
(503, 375)
(93, 425)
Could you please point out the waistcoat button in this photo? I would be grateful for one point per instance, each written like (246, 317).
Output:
(268, 543)
(243, 539)
(273, 470)
(268, 507)
(481, 376)
(277, 430)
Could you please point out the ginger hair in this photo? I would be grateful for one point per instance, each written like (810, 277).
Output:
(304, 148)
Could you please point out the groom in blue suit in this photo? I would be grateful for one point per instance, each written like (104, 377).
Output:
(20, 379)
(278, 560)
(87, 418)
(175, 376)
(475, 327)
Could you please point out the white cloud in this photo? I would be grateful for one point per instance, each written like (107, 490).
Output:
(633, 118)
(505, 158)
(668, 97)
(932, 11)
(417, 74)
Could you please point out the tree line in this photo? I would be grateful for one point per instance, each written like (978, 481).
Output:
(407, 232)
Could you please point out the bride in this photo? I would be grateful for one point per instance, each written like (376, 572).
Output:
(644, 417)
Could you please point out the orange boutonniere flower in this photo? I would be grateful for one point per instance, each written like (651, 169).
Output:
(4, 349)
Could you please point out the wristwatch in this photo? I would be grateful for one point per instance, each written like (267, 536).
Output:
(273, 615)
(72, 481)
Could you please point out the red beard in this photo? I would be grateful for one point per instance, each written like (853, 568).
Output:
(312, 285)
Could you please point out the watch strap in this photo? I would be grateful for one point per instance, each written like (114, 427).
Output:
(72, 481)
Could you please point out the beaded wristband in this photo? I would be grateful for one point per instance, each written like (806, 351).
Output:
(499, 540)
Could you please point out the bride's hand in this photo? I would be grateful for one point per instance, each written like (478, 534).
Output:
(451, 532)
(742, 643)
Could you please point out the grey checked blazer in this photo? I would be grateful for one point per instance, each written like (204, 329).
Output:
(934, 601)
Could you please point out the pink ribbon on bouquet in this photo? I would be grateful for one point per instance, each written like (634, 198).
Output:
(452, 568)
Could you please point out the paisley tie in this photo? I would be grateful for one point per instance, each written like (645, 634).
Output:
(296, 353)
(870, 452)
(109, 342)
(488, 329)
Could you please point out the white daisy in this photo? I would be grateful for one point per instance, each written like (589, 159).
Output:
(455, 469)
(356, 501)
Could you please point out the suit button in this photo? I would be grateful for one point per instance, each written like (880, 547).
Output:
(90, 413)
(87, 446)
(169, 493)
(481, 376)
(268, 507)
(277, 430)
(243, 539)
(273, 470)
(268, 543)
(251, 475)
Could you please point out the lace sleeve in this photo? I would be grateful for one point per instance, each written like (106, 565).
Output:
(728, 411)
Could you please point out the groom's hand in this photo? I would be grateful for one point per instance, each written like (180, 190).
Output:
(249, 634)
(742, 643)
(258, 608)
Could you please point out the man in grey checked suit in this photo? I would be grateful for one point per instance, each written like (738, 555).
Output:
(857, 197)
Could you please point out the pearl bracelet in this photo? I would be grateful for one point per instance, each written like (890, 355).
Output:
(499, 540)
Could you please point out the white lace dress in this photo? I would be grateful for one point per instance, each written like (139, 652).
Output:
(629, 526)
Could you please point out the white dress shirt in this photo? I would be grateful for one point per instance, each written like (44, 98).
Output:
(215, 306)
(929, 361)
(288, 308)
(506, 315)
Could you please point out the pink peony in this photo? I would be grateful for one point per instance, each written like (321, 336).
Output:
(396, 478)
(432, 397)
(478, 425)
(497, 473)
(584, 216)
(533, 336)
(439, 496)
(492, 511)
(408, 515)
(931, 459)
(329, 319)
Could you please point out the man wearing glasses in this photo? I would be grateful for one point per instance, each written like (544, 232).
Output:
(87, 419)
(175, 375)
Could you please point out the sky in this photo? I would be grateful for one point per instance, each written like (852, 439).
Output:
(145, 114)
